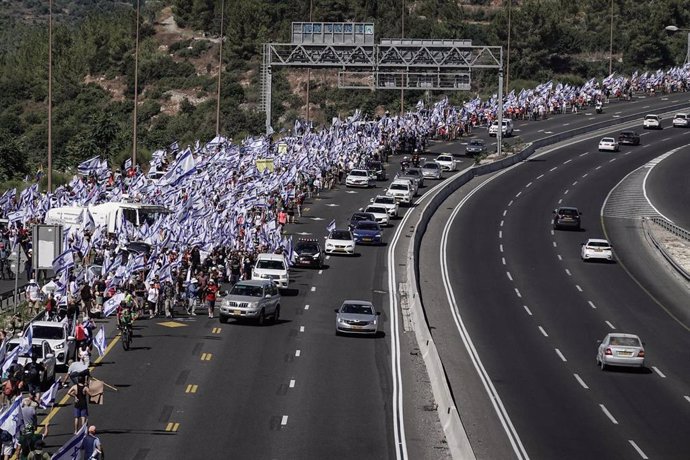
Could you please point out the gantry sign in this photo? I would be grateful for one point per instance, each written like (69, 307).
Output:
(444, 65)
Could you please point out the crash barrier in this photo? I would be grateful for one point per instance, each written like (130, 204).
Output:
(456, 436)
(673, 229)
(7, 298)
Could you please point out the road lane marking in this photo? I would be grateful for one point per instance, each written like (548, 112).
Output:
(505, 211)
(559, 257)
(301, 328)
(191, 388)
(500, 233)
(583, 154)
(510, 203)
(553, 169)
(216, 330)
(328, 257)
(206, 356)
(581, 382)
(540, 176)
(320, 272)
(568, 272)
(560, 355)
(297, 353)
(577, 286)
(501, 224)
(313, 288)
(567, 161)
(503, 260)
(687, 398)
(612, 160)
(610, 325)
(591, 304)
(661, 374)
(518, 194)
(608, 414)
(528, 185)
(566, 192)
(574, 183)
(172, 426)
(560, 201)
(306, 307)
(518, 293)
(598, 167)
(500, 247)
(527, 310)
(585, 175)
(554, 244)
(541, 329)
(284, 420)
(509, 277)
(637, 448)
(292, 383)
(552, 231)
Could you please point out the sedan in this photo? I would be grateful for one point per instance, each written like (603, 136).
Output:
(446, 162)
(367, 232)
(356, 317)
(609, 144)
(681, 120)
(340, 242)
(566, 217)
(618, 349)
(359, 216)
(431, 170)
(596, 249)
(475, 147)
(387, 202)
(652, 121)
(629, 138)
(359, 178)
(380, 214)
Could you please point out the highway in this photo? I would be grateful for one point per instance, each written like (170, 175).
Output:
(195, 388)
(534, 311)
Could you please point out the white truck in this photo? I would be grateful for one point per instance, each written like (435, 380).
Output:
(402, 191)
(109, 214)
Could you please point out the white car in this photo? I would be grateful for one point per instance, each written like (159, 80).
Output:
(387, 202)
(681, 120)
(596, 249)
(271, 267)
(608, 144)
(651, 121)
(340, 242)
(402, 190)
(618, 349)
(58, 337)
(359, 178)
(507, 128)
(44, 355)
(446, 162)
(432, 170)
(380, 214)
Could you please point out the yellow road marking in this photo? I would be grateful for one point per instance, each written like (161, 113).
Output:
(216, 330)
(171, 324)
(191, 388)
(172, 426)
(206, 356)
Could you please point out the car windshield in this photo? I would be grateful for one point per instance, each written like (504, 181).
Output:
(567, 212)
(607, 139)
(430, 166)
(246, 290)
(444, 158)
(271, 264)
(598, 244)
(47, 332)
(376, 209)
(477, 142)
(681, 115)
(360, 216)
(36, 349)
(357, 309)
(627, 133)
(368, 226)
(650, 117)
(308, 247)
(398, 187)
(625, 341)
(384, 200)
(359, 172)
(413, 172)
(341, 235)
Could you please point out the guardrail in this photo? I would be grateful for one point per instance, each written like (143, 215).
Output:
(671, 227)
(7, 298)
(675, 230)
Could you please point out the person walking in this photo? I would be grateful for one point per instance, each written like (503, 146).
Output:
(211, 292)
(80, 393)
(152, 299)
(92, 446)
(192, 293)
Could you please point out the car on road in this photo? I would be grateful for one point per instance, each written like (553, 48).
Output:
(619, 349)
(596, 249)
(609, 144)
(402, 191)
(431, 170)
(446, 162)
(356, 317)
(58, 336)
(651, 121)
(411, 179)
(307, 253)
(251, 299)
(380, 214)
(506, 131)
(340, 241)
(367, 232)
(681, 120)
(475, 147)
(44, 355)
(629, 138)
(359, 178)
(358, 216)
(417, 174)
(271, 267)
(566, 217)
(387, 202)
(377, 170)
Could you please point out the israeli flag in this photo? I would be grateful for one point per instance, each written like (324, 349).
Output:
(99, 341)
(48, 398)
(111, 304)
(128, 163)
(9, 359)
(87, 222)
(89, 166)
(10, 419)
(26, 342)
(331, 226)
(63, 262)
(184, 166)
(72, 449)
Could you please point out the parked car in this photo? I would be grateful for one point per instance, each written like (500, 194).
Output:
(629, 138)
(251, 299)
(58, 336)
(619, 349)
(356, 317)
(340, 241)
(271, 267)
(652, 121)
(566, 217)
(44, 356)
(596, 249)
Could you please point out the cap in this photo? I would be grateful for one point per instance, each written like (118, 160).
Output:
(32, 281)
(194, 280)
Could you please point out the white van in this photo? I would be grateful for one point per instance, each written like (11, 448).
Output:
(108, 214)
(507, 128)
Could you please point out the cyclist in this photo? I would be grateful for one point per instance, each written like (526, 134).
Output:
(124, 317)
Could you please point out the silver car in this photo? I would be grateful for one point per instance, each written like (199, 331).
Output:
(356, 317)
(251, 299)
(431, 170)
(618, 349)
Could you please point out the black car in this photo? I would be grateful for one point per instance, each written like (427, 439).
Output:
(629, 138)
(475, 147)
(307, 253)
(377, 169)
(359, 216)
(566, 217)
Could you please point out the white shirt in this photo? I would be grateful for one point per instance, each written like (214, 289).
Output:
(32, 292)
(152, 295)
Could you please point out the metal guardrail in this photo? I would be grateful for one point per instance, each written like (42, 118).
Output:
(675, 230)
(671, 227)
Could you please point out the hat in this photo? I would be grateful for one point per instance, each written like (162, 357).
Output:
(211, 281)
(194, 280)
(32, 281)
(30, 250)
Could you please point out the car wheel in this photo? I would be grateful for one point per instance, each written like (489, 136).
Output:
(337, 333)
(223, 319)
(276, 314)
(262, 318)
(602, 364)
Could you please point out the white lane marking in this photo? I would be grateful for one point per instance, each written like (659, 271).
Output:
(528, 184)
(560, 355)
(320, 272)
(297, 353)
(566, 124)
(306, 307)
(610, 325)
(559, 257)
(540, 176)
(574, 183)
(503, 260)
(585, 175)
(313, 288)
(591, 304)
(687, 398)
(500, 247)
(577, 286)
(666, 139)
(560, 201)
(567, 161)
(583, 154)
(581, 382)
(661, 374)
(505, 211)
(646, 107)
(518, 293)
(626, 153)
(554, 244)
(292, 383)
(568, 272)
(566, 192)
(608, 414)
(489, 387)
(530, 313)
(541, 329)
(612, 160)
(301, 328)
(518, 194)
(637, 448)
(553, 169)
(283, 421)
(500, 233)
(617, 113)
(598, 167)
(509, 277)
(511, 202)
(501, 224)
(552, 231)
(540, 131)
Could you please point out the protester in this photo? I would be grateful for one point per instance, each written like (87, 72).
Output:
(92, 447)
(80, 393)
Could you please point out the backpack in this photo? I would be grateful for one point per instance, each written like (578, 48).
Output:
(32, 372)
(5, 437)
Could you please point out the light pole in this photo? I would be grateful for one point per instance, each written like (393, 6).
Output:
(311, 14)
(136, 90)
(220, 67)
(677, 29)
(611, 42)
(510, 2)
(50, 102)
(402, 74)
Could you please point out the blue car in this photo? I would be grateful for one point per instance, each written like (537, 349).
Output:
(367, 232)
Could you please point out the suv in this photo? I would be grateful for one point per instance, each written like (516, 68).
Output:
(651, 121)
(44, 355)
(251, 299)
(307, 253)
(629, 138)
(58, 337)
(402, 191)
(377, 170)
(507, 128)
(271, 267)
(681, 120)
(566, 217)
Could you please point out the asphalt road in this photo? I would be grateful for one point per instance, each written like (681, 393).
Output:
(534, 312)
(669, 188)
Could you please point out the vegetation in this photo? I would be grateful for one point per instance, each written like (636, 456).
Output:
(93, 63)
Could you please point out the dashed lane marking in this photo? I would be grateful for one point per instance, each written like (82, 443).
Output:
(172, 427)
(320, 272)
(540, 176)
(574, 183)
(541, 329)
(292, 383)
(518, 293)
(301, 328)
(328, 257)
(509, 276)
(554, 244)
(612, 160)
(566, 192)
(581, 382)
(687, 398)
(313, 288)
(610, 325)
(191, 388)
(567, 161)
(510, 203)
(661, 374)
(559, 257)
(306, 307)
(637, 448)
(527, 310)
(501, 224)
(500, 247)
(529, 184)
(297, 353)
(608, 414)
(517, 195)
(591, 304)
(500, 234)
(206, 356)
(585, 175)
(560, 201)
(567, 272)
(284, 420)
(583, 154)
(560, 355)
(553, 169)
(505, 211)
(598, 167)
(577, 286)
(216, 330)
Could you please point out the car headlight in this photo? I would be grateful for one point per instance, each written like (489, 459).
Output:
(59, 346)
(317, 255)
(340, 320)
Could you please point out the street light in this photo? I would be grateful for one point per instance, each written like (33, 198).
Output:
(677, 29)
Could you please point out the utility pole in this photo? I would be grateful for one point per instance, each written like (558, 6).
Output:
(510, 3)
(611, 42)
(50, 100)
(136, 91)
(311, 12)
(220, 67)
(402, 74)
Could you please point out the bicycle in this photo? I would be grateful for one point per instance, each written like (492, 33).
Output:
(126, 336)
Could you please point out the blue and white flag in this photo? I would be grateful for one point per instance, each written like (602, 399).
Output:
(72, 449)
(89, 166)
(111, 304)
(10, 419)
(99, 341)
(331, 226)
(184, 166)
(9, 359)
(26, 341)
(63, 262)
(48, 398)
